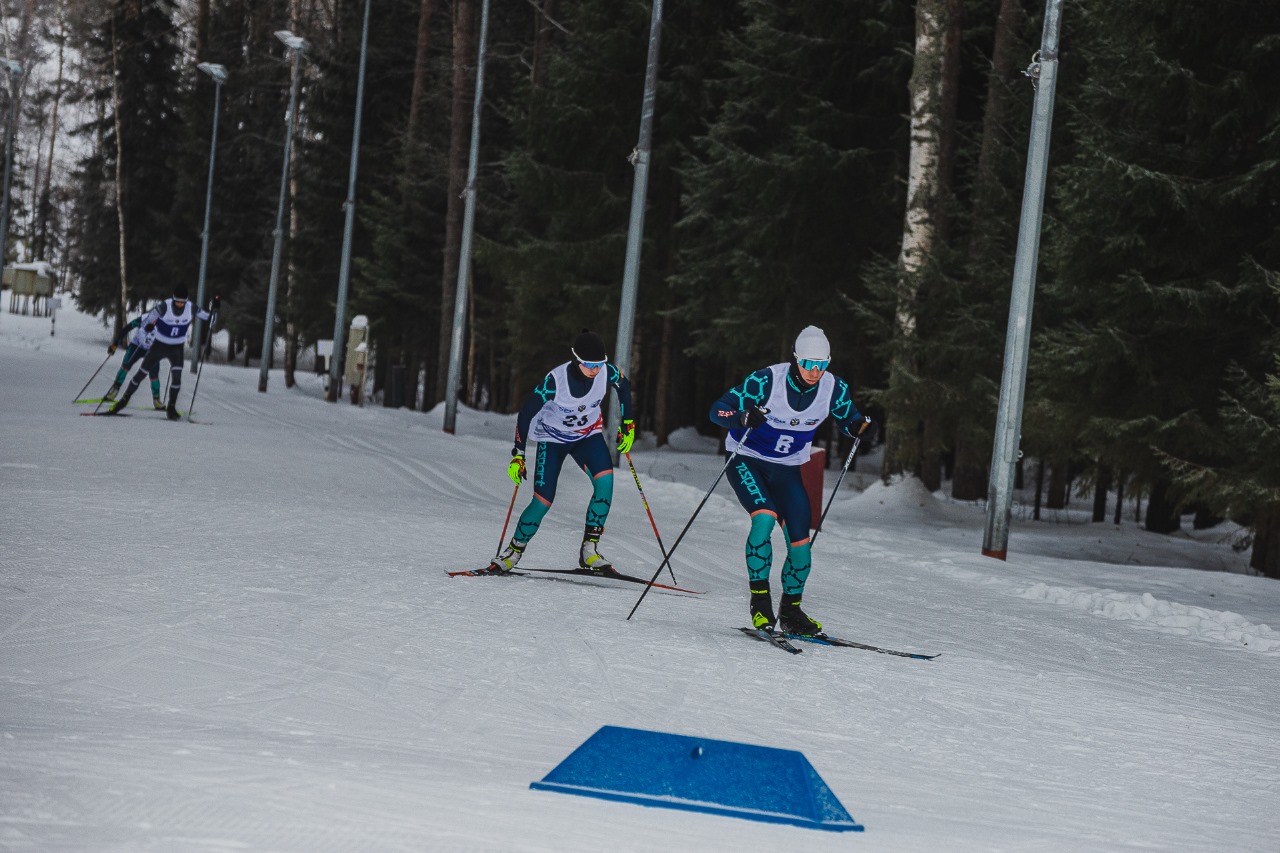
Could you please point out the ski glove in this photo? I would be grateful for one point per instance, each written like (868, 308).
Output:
(111, 349)
(862, 425)
(150, 327)
(515, 469)
(626, 436)
(752, 417)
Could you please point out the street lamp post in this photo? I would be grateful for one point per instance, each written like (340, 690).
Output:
(635, 229)
(15, 71)
(1017, 348)
(468, 227)
(219, 75)
(299, 46)
(344, 272)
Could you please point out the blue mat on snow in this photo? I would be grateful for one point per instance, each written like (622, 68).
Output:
(702, 775)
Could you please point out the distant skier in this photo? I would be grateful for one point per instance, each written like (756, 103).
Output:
(782, 406)
(170, 321)
(564, 415)
(139, 344)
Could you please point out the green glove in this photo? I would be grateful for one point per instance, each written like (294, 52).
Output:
(626, 436)
(515, 468)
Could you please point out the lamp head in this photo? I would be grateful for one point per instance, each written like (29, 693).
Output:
(217, 72)
(291, 41)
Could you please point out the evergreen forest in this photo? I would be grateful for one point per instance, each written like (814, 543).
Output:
(854, 164)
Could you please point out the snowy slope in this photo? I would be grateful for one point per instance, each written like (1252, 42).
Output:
(238, 635)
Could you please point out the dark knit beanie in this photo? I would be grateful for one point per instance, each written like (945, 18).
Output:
(589, 347)
(180, 291)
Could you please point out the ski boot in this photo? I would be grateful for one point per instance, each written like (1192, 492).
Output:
(793, 620)
(588, 557)
(122, 402)
(157, 403)
(761, 606)
(507, 560)
(172, 411)
(110, 396)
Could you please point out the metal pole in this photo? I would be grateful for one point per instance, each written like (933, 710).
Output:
(218, 73)
(15, 71)
(1004, 456)
(635, 230)
(269, 322)
(468, 226)
(349, 207)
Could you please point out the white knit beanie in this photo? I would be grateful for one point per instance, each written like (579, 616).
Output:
(812, 343)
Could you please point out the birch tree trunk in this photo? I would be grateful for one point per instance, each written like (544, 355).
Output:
(902, 451)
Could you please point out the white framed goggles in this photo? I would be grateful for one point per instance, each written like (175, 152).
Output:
(590, 365)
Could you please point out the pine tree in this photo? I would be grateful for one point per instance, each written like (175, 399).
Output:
(1164, 216)
(786, 190)
(137, 117)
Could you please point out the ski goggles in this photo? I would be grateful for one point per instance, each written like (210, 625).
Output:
(590, 365)
(813, 363)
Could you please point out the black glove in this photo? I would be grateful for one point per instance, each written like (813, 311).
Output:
(150, 327)
(111, 349)
(864, 428)
(213, 306)
(752, 417)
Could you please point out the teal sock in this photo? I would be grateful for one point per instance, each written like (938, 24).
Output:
(601, 500)
(760, 547)
(530, 520)
(796, 569)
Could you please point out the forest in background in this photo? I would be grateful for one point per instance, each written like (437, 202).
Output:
(786, 137)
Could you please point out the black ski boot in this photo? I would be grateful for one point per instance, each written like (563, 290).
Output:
(589, 557)
(793, 620)
(761, 605)
(123, 401)
(172, 412)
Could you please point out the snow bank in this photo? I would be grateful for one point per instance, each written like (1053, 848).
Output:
(1221, 626)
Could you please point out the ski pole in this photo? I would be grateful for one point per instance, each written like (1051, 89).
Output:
(667, 559)
(95, 375)
(512, 506)
(857, 439)
(202, 354)
(645, 501)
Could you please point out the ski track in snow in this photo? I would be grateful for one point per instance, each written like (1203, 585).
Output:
(241, 637)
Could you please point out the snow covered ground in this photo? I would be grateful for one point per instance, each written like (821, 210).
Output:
(238, 635)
